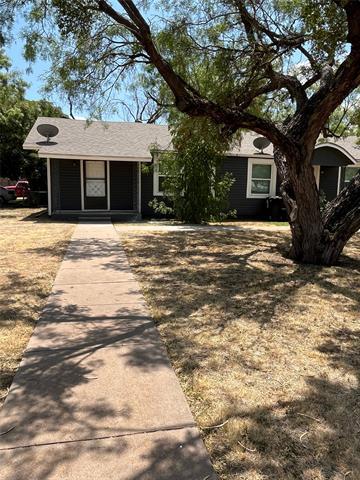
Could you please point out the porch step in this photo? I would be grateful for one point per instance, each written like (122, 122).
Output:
(95, 217)
(126, 216)
(119, 216)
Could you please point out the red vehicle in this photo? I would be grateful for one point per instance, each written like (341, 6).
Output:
(21, 188)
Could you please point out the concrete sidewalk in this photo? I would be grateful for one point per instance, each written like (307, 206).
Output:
(95, 396)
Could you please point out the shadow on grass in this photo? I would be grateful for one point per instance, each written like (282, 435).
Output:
(42, 217)
(313, 437)
(200, 283)
(194, 270)
(187, 273)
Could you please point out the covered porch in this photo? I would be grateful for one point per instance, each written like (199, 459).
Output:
(88, 188)
(94, 168)
(334, 166)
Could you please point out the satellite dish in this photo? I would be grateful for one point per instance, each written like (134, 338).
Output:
(48, 131)
(260, 143)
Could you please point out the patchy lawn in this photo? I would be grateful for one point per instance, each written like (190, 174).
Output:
(268, 348)
(31, 248)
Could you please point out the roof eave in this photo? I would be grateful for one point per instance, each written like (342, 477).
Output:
(76, 156)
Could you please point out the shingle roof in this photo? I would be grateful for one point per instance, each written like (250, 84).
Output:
(78, 138)
(111, 140)
(126, 140)
(349, 145)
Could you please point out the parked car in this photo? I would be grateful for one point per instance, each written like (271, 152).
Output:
(21, 189)
(6, 196)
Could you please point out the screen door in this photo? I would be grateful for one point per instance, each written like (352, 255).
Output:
(95, 185)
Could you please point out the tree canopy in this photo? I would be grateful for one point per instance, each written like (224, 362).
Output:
(194, 184)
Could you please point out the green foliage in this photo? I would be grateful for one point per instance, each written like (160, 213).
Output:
(322, 21)
(161, 207)
(17, 116)
(196, 190)
(345, 120)
(93, 57)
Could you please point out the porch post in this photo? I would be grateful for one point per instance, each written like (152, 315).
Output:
(139, 187)
(339, 179)
(48, 174)
(82, 183)
(108, 183)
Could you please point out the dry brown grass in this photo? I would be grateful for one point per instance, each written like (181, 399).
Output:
(265, 345)
(31, 248)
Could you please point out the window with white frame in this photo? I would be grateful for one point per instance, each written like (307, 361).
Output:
(261, 182)
(159, 176)
(350, 173)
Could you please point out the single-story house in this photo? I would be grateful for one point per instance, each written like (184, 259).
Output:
(96, 168)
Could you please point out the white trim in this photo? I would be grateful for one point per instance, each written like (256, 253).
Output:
(85, 189)
(108, 183)
(48, 176)
(156, 191)
(148, 159)
(76, 156)
(357, 165)
(338, 182)
(266, 156)
(261, 161)
(317, 175)
(82, 184)
(337, 147)
(139, 187)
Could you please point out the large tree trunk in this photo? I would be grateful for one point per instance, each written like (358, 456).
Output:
(341, 220)
(316, 238)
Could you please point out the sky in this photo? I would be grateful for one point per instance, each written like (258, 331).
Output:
(39, 69)
(35, 77)
(14, 51)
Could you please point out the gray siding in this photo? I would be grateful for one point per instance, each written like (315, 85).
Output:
(245, 207)
(55, 191)
(122, 184)
(66, 193)
(329, 181)
(147, 193)
(330, 157)
(135, 186)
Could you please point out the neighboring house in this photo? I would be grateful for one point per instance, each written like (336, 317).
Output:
(96, 168)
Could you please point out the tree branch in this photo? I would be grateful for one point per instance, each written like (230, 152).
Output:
(323, 102)
(335, 87)
(251, 24)
(187, 99)
(342, 215)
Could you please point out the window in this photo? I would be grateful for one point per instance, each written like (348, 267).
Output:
(350, 173)
(261, 178)
(159, 177)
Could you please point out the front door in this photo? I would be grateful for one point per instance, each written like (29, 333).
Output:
(95, 189)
